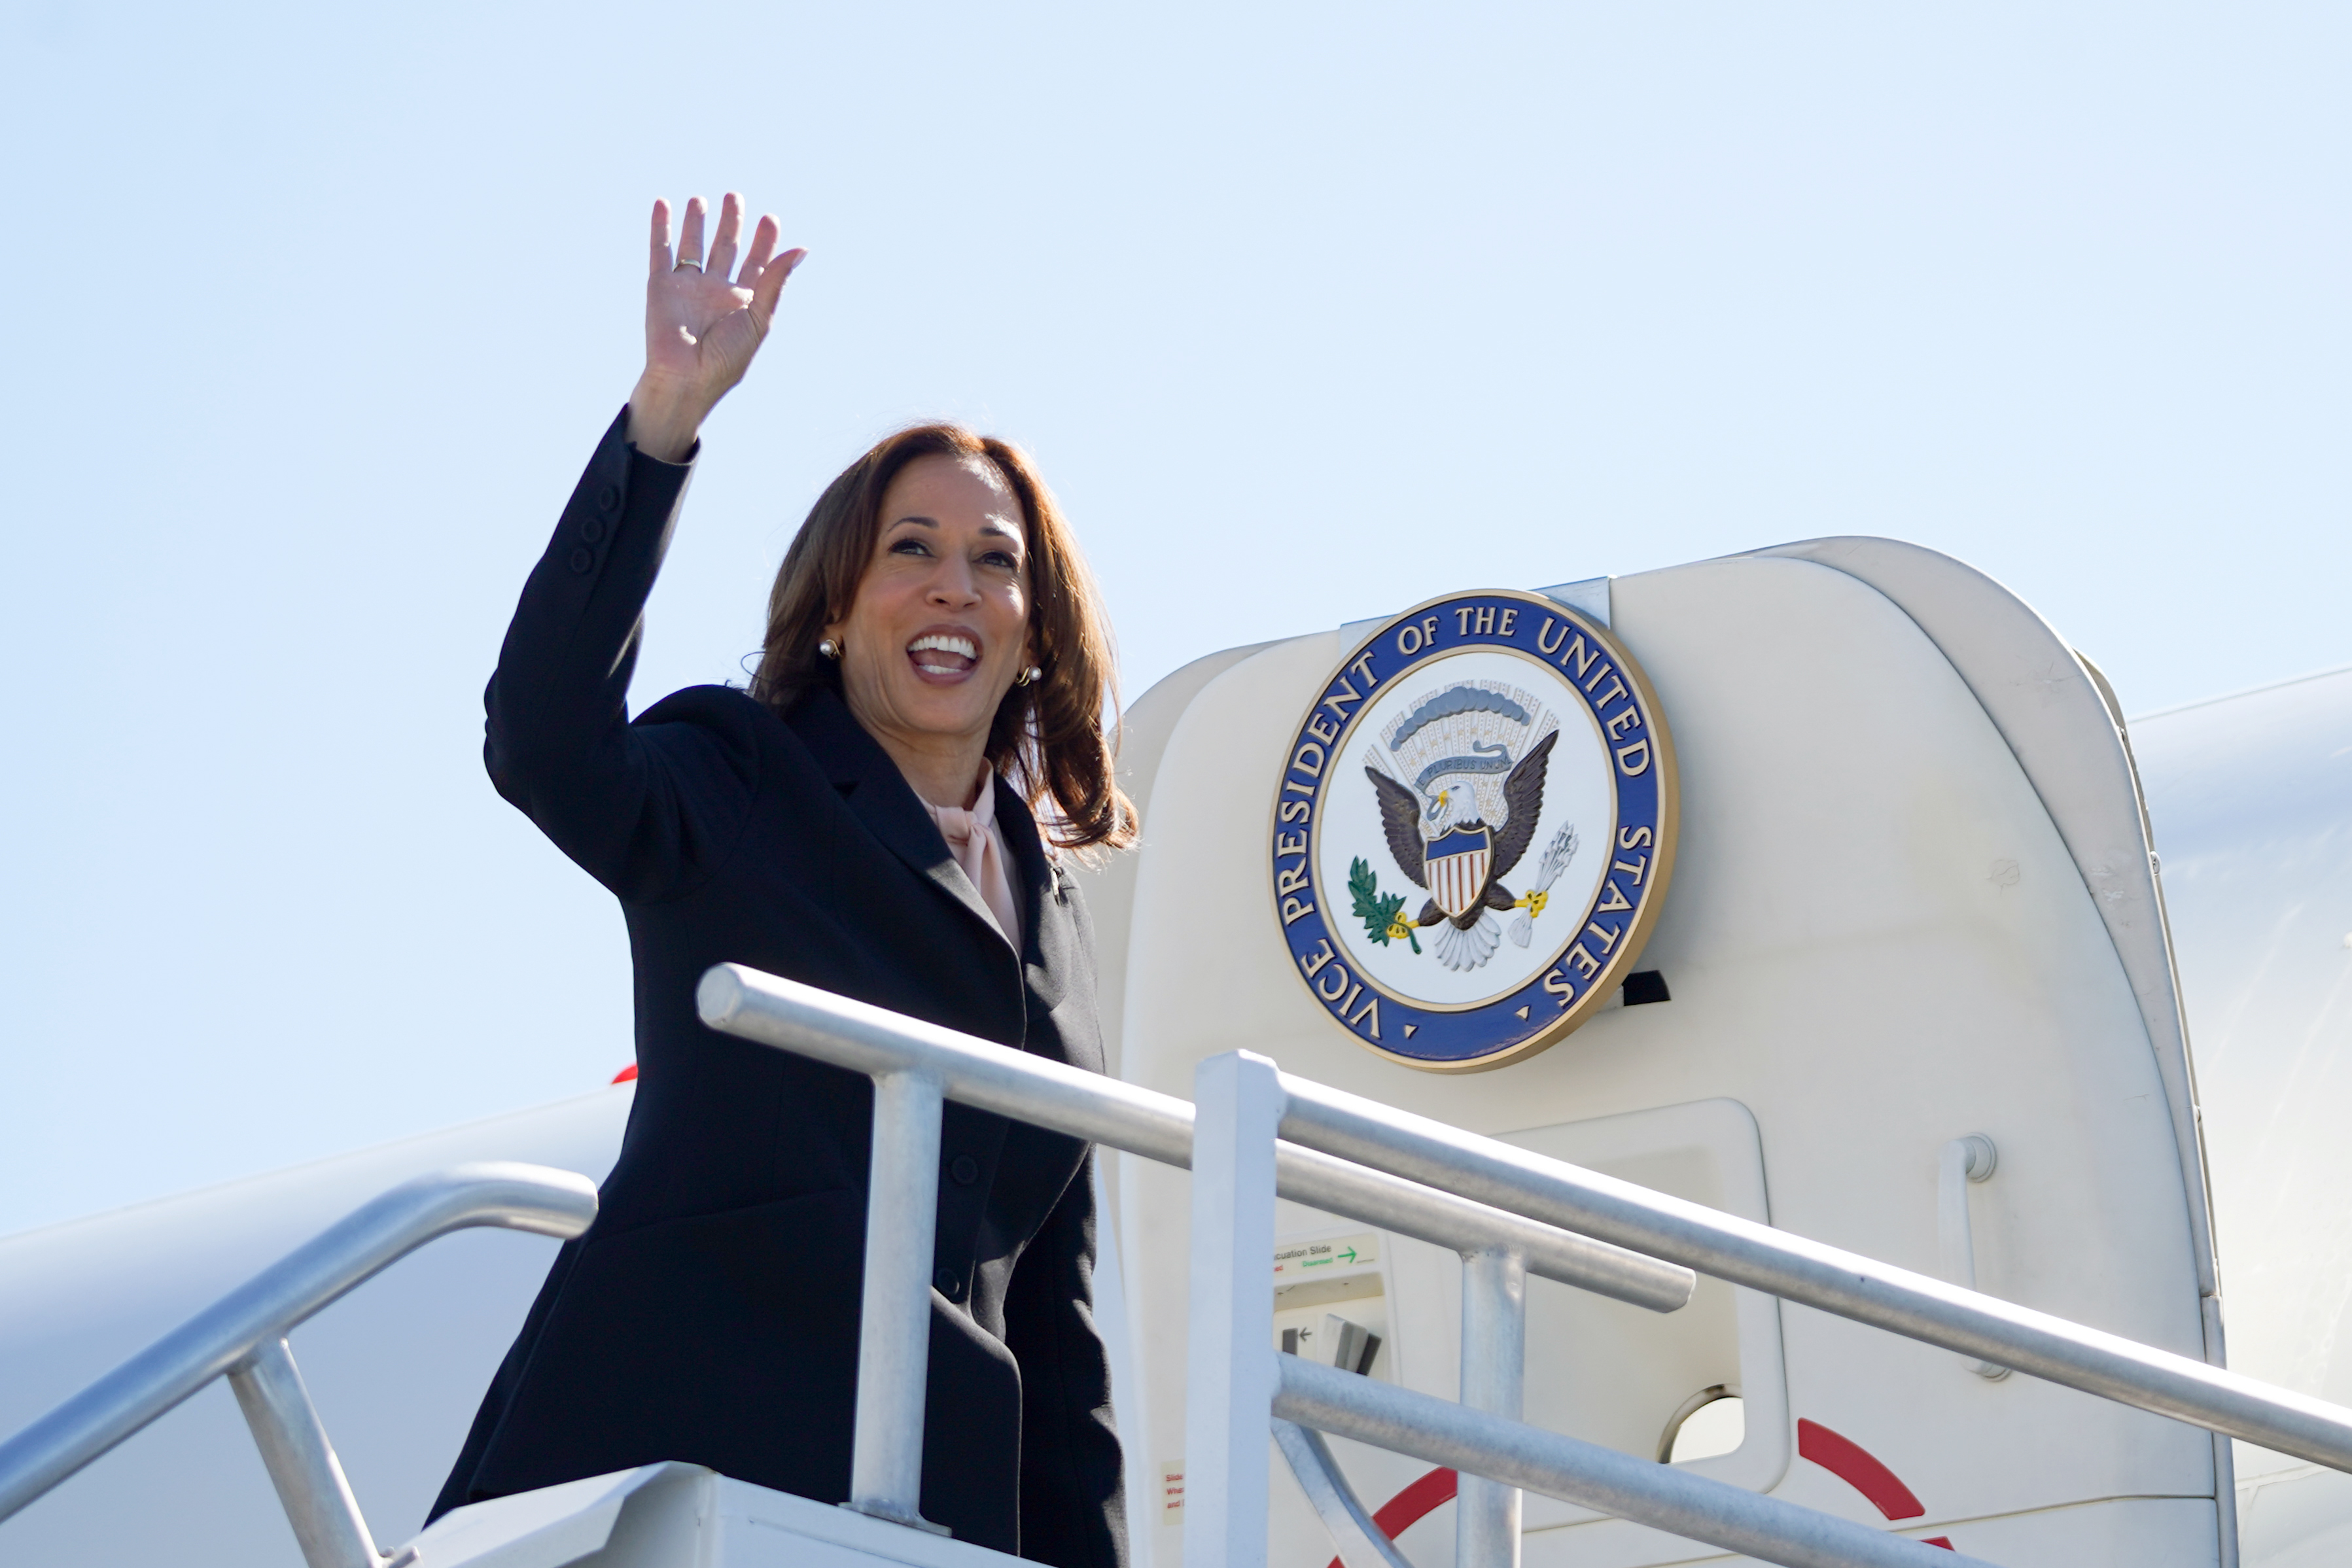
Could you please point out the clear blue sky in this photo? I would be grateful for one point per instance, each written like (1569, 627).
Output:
(1309, 311)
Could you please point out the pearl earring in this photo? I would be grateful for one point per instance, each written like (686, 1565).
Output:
(829, 648)
(1028, 677)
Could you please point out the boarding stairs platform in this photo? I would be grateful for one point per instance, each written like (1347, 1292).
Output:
(679, 1516)
(1251, 1133)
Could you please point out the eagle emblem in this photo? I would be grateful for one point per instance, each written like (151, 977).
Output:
(1466, 819)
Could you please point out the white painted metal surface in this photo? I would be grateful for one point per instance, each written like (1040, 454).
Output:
(894, 1324)
(1229, 1390)
(1708, 1151)
(1891, 926)
(2060, 721)
(2250, 798)
(680, 1516)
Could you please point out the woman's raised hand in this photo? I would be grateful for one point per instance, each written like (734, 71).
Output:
(704, 320)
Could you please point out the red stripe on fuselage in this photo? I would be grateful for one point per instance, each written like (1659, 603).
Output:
(1413, 1505)
(1852, 1464)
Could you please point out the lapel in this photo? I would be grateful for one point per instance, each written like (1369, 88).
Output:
(878, 795)
(1036, 884)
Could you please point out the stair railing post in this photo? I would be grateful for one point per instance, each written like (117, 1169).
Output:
(301, 1462)
(1494, 1379)
(894, 1329)
(1229, 1358)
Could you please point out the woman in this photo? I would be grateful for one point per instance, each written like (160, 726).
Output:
(935, 665)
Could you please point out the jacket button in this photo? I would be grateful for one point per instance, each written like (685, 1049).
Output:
(966, 1170)
(949, 1283)
(609, 497)
(593, 529)
(582, 559)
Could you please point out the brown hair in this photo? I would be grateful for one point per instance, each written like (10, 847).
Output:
(1047, 738)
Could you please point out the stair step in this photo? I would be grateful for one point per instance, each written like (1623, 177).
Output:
(675, 1515)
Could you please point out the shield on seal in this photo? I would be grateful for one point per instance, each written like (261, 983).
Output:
(1454, 869)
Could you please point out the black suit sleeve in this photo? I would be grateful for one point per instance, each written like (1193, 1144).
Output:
(644, 808)
(1073, 1500)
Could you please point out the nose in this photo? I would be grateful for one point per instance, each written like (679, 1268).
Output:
(952, 585)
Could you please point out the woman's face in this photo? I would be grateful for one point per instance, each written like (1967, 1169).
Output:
(941, 624)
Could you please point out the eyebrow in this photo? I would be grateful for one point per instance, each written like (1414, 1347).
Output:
(996, 528)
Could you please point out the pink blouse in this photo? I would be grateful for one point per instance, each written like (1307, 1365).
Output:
(978, 845)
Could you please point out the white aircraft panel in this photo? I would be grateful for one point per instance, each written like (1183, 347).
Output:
(396, 1368)
(1878, 939)
(2250, 798)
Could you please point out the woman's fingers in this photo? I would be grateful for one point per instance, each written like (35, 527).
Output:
(661, 258)
(763, 246)
(771, 284)
(720, 263)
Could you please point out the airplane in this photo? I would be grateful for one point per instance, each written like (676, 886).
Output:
(1956, 967)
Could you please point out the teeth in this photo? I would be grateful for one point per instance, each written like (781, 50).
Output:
(945, 644)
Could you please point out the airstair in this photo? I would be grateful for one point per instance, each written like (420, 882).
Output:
(1251, 1134)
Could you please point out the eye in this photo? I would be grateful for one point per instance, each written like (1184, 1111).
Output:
(1004, 560)
(909, 543)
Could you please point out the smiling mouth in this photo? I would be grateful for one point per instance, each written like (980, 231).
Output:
(943, 656)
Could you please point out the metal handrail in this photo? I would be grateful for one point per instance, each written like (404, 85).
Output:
(1795, 1268)
(1663, 1496)
(242, 1337)
(873, 1041)
(1256, 1132)
(1352, 1134)
(917, 1066)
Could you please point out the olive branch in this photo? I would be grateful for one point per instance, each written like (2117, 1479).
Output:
(1377, 910)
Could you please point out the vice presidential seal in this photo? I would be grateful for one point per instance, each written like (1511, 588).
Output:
(1474, 831)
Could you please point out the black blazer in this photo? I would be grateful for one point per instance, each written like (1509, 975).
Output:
(710, 1313)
